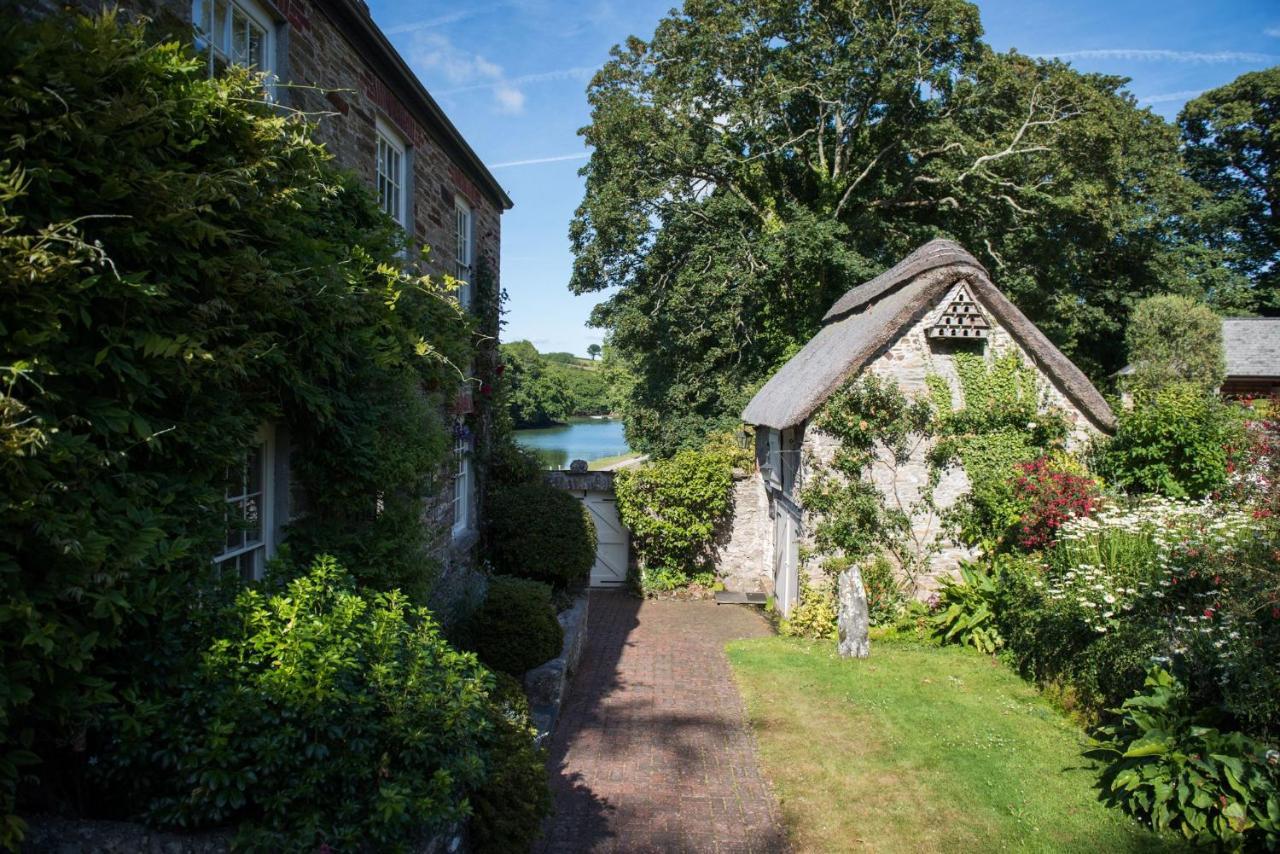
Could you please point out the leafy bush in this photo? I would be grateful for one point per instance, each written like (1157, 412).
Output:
(516, 628)
(813, 615)
(508, 809)
(320, 716)
(675, 508)
(1166, 766)
(537, 531)
(1050, 494)
(1172, 339)
(177, 269)
(967, 610)
(1173, 442)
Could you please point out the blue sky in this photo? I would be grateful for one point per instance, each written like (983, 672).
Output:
(512, 76)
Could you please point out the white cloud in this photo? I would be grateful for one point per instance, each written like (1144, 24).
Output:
(1183, 56)
(1167, 97)
(429, 23)
(434, 55)
(509, 98)
(559, 158)
(577, 73)
(1274, 32)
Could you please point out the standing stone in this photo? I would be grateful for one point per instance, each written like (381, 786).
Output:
(852, 619)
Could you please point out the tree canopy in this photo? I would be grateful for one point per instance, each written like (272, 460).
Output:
(755, 159)
(1232, 137)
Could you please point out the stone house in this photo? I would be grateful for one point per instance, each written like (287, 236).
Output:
(906, 324)
(328, 59)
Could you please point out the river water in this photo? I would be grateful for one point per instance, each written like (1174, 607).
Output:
(581, 439)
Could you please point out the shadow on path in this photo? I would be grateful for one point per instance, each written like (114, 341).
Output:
(652, 752)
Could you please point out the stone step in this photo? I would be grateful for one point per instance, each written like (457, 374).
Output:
(737, 597)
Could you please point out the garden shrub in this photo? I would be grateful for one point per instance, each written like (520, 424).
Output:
(536, 531)
(181, 264)
(1172, 339)
(1167, 764)
(675, 509)
(813, 615)
(516, 628)
(509, 807)
(1174, 442)
(966, 610)
(320, 715)
(1050, 491)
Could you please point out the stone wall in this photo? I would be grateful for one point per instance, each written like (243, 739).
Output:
(743, 555)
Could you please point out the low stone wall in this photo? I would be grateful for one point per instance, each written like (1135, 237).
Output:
(547, 685)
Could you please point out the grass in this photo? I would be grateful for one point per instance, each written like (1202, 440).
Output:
(920, 749)
(603, 462)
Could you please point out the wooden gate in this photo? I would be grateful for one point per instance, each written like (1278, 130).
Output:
(613, 542)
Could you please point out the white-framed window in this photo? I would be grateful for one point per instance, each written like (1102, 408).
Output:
(464, 244)
(235, 32)
(775, 457)
(391, 174)
(462, 485)
(250, 496)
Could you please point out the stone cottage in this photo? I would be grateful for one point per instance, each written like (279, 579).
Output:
(328, 59)
(905, 324)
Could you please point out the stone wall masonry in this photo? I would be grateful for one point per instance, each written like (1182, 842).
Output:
(742, 558)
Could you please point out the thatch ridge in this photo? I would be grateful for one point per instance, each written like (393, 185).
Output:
(851, 338)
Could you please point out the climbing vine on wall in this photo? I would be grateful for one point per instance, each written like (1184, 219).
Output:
(880, 430)
(1003, 422)
(867, 501)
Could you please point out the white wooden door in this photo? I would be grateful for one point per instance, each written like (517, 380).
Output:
(613, 544)
(786, 560)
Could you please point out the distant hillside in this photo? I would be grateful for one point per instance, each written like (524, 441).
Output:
(547, 388)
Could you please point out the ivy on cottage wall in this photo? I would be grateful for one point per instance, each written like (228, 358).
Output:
(867, 500)
(180, 263)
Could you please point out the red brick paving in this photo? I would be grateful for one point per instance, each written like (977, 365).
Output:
(652, 752)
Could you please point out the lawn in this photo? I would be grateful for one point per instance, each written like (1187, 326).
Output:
(920, 749)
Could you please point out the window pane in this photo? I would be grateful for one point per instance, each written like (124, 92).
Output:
(253, 473)
(253, 521)
(235, 531)
(218, 26)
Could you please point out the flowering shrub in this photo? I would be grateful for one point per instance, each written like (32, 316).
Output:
(1051, 495)
(1188, 585)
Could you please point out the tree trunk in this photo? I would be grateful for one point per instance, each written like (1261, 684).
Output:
(853, 621)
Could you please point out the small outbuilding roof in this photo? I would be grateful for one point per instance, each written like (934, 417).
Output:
(870, 317)
(1252, 346)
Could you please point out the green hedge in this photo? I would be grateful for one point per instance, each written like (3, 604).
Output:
(675, 508)
(536, 531)
(516, 628)
(180, 263)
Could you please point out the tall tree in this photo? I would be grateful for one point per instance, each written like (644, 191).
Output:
(756, 158)
(1232, 137)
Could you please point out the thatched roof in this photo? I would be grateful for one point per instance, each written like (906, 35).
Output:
(869, 318)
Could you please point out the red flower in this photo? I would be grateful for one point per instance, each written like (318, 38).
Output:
(500, 369)
(486, 389)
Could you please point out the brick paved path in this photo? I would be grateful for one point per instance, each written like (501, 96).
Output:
(652, 752)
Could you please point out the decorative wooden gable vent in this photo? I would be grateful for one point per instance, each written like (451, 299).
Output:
(963, 318)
